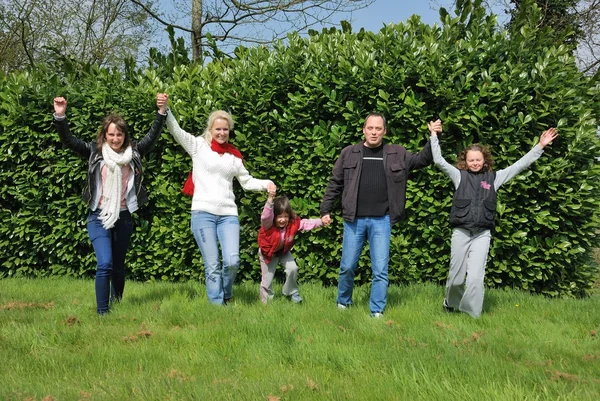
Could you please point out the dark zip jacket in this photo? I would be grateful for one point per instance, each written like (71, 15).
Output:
(397, 163)
(89, 150)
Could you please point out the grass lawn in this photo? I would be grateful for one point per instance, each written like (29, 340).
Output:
(165, 342)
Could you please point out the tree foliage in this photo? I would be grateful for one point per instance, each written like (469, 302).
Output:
(296, 106)
(102, 32)
(561, 15)
(575, 22)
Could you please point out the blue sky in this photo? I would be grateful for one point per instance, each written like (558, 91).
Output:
(383, 12)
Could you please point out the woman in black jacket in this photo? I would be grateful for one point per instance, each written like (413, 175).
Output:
(114, 191)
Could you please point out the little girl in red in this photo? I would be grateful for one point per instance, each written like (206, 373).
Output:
(279, 225)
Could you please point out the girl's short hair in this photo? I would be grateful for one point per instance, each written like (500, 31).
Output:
(488, 161)
(282, 205)
(121, 125)
(222, 114)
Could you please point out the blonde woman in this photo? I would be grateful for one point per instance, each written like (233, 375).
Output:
(214, 219)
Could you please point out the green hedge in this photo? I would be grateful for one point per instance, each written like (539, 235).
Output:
(296, 106)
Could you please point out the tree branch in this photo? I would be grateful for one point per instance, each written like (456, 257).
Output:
(158, 18)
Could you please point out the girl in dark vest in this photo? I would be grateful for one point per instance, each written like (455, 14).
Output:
(279, 225)
(472, 216)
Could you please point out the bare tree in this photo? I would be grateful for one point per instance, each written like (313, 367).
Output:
(588, 50)
(19, 33)
(230, 23)
(102, 32)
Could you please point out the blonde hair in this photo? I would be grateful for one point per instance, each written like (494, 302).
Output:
(212, 117)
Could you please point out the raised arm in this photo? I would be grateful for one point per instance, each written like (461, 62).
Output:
(547, 136)
(421, 159)
(145, 144)
(266, 217)
(62, 127)
(185, 139)
(505, 175)
(452, 172)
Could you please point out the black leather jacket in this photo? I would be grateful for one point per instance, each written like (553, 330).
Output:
(90, 151)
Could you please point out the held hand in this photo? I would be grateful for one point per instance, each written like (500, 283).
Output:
(547, 137)
(60, 106)
(162, 100)
(435, 127)
(326, 220)
(271, 189)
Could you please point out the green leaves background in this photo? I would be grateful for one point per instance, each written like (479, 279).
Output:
(296, 106)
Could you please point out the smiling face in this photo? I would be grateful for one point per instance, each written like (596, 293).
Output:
(220, 131)
(374, 130)
(282, 220)
(114, 137)
(475, 160)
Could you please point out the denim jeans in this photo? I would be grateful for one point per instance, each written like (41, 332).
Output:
(110, 247)
(207, 229)
(378, 232)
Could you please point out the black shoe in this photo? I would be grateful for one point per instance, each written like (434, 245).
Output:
(227, 300)
(447, 308)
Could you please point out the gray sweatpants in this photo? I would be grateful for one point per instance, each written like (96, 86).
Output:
(468, 258)
(268, 274)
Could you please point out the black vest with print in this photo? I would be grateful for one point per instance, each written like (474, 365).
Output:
(474, 202)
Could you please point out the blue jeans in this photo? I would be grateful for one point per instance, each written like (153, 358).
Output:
(110, 247)
(378, 232)
(207, 228)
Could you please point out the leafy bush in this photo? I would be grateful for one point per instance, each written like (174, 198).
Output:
(296, 106)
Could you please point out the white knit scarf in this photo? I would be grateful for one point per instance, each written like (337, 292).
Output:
(112, 185)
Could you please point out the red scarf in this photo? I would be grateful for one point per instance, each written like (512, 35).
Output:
(225, 148)
(188, 186)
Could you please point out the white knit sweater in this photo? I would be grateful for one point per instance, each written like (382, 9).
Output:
(213, 174)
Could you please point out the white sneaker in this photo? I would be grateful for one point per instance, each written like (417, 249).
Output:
(296, 298)
(342, 306)
(377, 315)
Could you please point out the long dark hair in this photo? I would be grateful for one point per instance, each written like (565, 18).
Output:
(488, 161)
(282, 205)
(121, 126)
